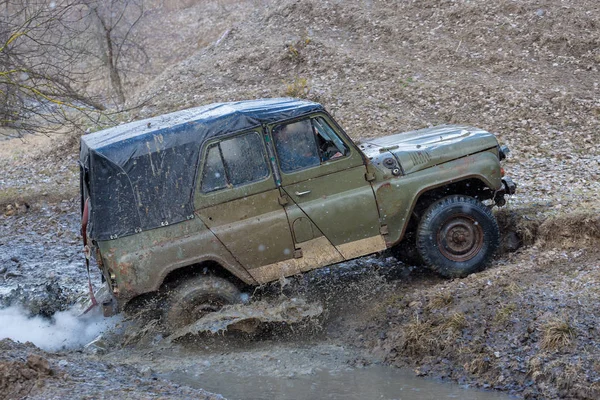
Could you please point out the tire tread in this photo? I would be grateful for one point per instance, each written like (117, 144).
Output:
(451, 270)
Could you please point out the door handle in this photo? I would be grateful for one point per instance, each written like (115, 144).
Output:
(302, 193)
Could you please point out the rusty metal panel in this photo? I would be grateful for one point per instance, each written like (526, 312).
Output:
(315, 253)
(140, 262)
(362, 247)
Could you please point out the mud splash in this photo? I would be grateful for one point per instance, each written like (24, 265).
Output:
(246, 317)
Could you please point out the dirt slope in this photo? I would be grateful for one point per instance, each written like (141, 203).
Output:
(528, 324)
(525, 70)
(380, 66)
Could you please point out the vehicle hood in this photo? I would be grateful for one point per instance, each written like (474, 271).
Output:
(423, 148)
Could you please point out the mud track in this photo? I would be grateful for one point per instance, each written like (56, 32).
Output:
(527, 71)
(519, 326)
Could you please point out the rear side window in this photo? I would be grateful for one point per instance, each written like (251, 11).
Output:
(234, 162)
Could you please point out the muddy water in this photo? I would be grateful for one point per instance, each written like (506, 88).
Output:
(373, 382)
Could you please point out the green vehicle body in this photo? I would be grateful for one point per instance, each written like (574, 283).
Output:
(286, 223)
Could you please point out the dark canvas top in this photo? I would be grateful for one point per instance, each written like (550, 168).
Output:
(141, 175)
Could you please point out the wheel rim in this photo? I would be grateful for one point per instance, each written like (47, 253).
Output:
(460, 238)
(192, 312)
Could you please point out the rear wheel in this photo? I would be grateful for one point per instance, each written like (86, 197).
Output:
(457, 236)
(196, 297)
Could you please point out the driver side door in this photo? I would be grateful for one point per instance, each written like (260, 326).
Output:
(323, 176)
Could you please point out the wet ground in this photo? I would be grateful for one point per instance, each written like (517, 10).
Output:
(527, 325)
(299, 354)
(327, 382)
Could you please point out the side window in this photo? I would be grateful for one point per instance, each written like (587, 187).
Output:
(234, 162)
(307, 143)
(330, 144)
(213, 173)
(296, 146)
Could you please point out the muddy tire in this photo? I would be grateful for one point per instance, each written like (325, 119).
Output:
(196, 297)
(457, 236)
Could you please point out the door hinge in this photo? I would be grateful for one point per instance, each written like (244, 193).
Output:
(283, 200)
(298, 253)
(383, 229)
(369, 176)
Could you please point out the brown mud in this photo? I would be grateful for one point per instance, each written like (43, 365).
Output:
(527, 71)
(28, 372)
(527, 325)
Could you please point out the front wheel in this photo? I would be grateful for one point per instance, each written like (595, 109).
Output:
(457, 236)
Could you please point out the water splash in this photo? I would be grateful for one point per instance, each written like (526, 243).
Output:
(65, 330)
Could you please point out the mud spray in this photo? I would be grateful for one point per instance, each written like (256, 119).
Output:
(65, 330)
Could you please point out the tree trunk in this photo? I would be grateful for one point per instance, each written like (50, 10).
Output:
(115, 77)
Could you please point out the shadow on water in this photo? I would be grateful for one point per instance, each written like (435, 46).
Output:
(373, 382)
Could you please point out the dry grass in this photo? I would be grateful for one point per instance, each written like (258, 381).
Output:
(557, 334)
(17, 200)
(420, 338)
(569, 376)
(478, 365)
(513, 289)
(456, 322)
(394, 301)
(425, 338)
(298, 88)
(38, 167)
(570, 230)
(440, 300)
(566, 230)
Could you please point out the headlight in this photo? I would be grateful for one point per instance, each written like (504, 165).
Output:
(503, 152)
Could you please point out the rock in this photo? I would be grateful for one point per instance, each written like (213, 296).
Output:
(146, 371)
(9, 211)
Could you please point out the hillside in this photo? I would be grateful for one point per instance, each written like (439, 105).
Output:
(525, 70)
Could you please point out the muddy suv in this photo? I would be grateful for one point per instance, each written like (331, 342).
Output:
(200, 202)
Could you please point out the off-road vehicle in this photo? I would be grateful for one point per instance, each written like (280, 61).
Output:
(202, 201)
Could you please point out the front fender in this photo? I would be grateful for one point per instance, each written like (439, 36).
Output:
(397, 197)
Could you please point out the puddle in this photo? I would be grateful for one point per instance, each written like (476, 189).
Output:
(373, 382)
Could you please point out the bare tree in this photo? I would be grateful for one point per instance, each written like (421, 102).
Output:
(116, 21)
(41, 85)
(53, 54)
